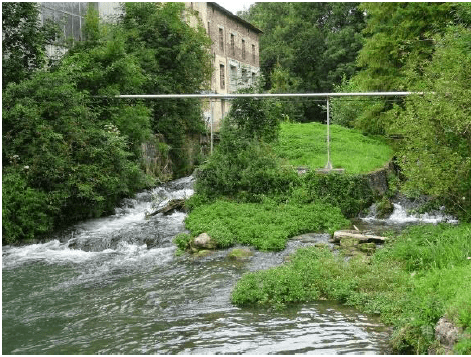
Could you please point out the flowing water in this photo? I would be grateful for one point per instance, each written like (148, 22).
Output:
(113, 286)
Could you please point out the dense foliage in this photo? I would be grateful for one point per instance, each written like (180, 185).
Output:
(54, 149)
(412, 282)
(244, 164)
(174, 58)
(436, 153)
(398, 37)
(266, 226)
(24, 40)
(68, 154)
(351, 193)
(418, 47)
(315, 44)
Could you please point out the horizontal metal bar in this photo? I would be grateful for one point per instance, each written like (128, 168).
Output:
(261, 95)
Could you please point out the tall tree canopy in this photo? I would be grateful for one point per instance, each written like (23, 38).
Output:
(316, 43)
(419, 47)
(399, 37)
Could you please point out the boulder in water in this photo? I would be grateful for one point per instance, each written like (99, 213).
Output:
(353, 243)
(203, 241)
(240, 254)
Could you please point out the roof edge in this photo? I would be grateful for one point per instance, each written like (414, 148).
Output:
(235, 17)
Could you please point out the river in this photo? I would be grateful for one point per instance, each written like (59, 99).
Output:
(114, 286)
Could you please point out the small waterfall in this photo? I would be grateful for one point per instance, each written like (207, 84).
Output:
(404, 213)
(127, 233)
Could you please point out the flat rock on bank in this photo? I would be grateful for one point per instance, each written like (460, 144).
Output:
(361, 237)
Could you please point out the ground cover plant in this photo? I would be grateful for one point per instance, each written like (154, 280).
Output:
(412, 282)
(266, 226)
(305, 145)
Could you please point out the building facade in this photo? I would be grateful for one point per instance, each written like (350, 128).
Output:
(235, 54)
(234, 48)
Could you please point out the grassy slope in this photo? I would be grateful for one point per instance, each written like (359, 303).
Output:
(305, 145)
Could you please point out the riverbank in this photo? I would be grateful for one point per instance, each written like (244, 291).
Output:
(113, 285)
(418, 277)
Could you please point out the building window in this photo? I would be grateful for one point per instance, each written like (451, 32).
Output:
(243, 49)
(221, 76)
(221, 39)
(232, 44)
(233, 74)
(253, 53)
(254, 78)
(245, 79)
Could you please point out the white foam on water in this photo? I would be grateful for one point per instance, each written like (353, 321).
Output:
(131, 214)
(50, 253)
(54, 252)
(401, 216)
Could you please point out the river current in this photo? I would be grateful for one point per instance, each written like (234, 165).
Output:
(114, 286)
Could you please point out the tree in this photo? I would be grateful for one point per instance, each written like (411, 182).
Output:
(175, 58)
(70, 151)
(435, 155)
(316, 43)
(71, 166)
(398, 37)
(24, 41)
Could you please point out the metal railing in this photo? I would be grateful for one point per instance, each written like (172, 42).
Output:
(223, 97)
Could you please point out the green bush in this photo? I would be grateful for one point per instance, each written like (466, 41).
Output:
(26, 211)
(181, 241)
(266, 226)
(83, 167)
(351, 193)
(244, 168)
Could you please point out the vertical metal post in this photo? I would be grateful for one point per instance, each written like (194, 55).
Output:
(212, 118)
(223, 108)
(329, 165)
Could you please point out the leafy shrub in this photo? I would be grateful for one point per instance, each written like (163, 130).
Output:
(266, 226)
(255, 118)
(351, 193)
(83, 167)
(26, 211)
(435, 153)
(244, 168)
(182, 240)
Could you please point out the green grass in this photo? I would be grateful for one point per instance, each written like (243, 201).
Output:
(306, 145)
(415, 280)
(266, 226)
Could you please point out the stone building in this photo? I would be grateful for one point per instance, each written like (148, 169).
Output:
(234, 49)
(235, 53)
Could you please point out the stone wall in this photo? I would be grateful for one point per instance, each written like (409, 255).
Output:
(378, 179)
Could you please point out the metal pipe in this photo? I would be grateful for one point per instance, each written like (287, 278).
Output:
(329, 164)
(212, 118)
(262, 95)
